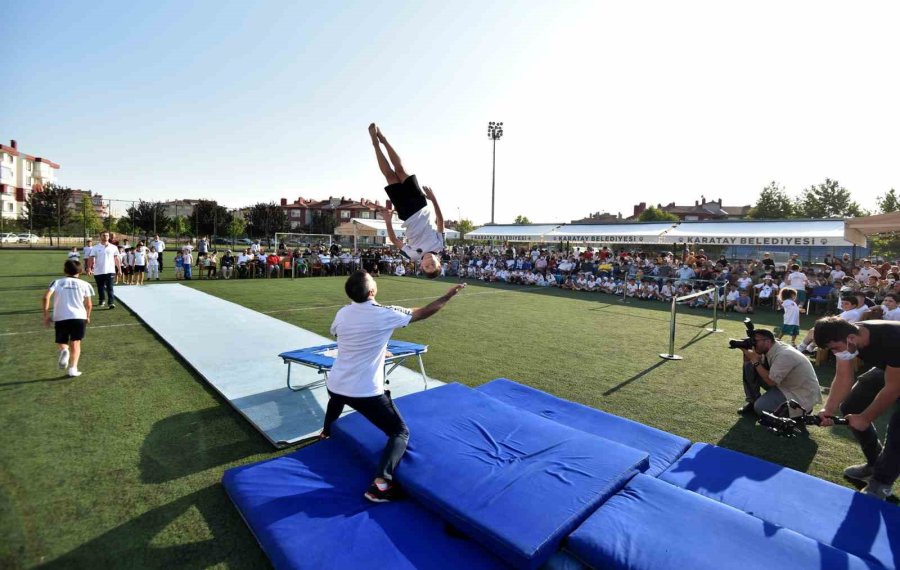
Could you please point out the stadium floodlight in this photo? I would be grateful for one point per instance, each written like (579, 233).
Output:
(495, 132)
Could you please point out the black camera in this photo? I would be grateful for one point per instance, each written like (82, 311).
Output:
(746, 342)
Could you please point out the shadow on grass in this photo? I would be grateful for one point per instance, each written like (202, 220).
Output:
(39, 380)
(192, 442)
(130, 545)
(637, 376)
(748, 437)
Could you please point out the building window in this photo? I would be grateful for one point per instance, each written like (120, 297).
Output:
(29, 166)
(365, 215)
(30, 180)
(345, 214)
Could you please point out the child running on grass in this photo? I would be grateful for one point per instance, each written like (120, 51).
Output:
(792, 312)
(72, 307)
(423, 220)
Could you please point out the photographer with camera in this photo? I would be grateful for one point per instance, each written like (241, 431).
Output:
(779, 369)
(876, 391)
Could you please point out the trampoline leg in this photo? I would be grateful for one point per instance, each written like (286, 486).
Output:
(422, 368)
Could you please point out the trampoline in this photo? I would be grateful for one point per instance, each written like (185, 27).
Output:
(321, 358)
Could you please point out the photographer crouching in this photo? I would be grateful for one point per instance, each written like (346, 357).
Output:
(862, 400)
(780, 370)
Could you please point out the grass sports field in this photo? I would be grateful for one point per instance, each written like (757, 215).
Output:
(121, 467)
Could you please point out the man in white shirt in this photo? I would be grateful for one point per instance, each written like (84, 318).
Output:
(160, 246)
(418, 210)
(363, 329)
(71, 313)
(104, 264)
(798, 281)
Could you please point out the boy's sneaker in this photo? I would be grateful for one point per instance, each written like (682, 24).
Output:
(74, 373)
(112, 306)
(376, 495)
(878, 490)
(861, 472)
(63, 358)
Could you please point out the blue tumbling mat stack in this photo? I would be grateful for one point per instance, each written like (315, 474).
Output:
(508, 476)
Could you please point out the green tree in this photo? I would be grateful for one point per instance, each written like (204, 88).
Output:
(149, 217)
(209, 218)
(887, 245)
(90, 218)
(464, 226)
(522, 220)
(653, 214)
(48, 209)
(236, 226)
(124, 226)
(263, 220)
(179, 226)
(322, 223)
(773, 204)
(827, 200)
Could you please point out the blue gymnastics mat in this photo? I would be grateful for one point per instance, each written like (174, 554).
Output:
(652, 524)
(235, 350)
(307, 511)
(516, 482)
(825, 512)
(663, 447)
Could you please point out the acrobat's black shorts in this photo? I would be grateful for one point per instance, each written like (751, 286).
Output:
(69, 330)
(407, 197)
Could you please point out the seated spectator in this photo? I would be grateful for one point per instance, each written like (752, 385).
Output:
(744, 304)
(731, 297)
(667, 291)
(399, 271)
(227, 264)
(632, 289)
(852, 312)
(745, 281)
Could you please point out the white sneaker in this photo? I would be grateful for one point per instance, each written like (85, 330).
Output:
(63, 358)
(74, 373)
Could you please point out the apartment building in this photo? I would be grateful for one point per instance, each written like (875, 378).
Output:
(20, 175)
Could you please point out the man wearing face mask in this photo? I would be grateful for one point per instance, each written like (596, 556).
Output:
(782, 371)
(876, 391)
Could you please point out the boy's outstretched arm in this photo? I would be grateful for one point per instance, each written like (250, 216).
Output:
(388, 215)
(437, 209)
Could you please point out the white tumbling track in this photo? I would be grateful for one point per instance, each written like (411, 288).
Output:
(236, 349)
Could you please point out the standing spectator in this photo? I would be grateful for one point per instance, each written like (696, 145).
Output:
(792, 312)
(797, 280)
(179, 266)
(104, 264)
(140, 262)
(160, 246)
(153, 264)
(187, 261)
(202, 249)
(71, 314)
(87, 250)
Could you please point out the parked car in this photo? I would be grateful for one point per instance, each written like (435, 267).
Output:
(243, 241)
(222, 241)
(28, 238)
(9, 238)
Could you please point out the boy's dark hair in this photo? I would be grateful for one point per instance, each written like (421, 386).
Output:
(893, 296)
(433, 274)
(788, 293)
(357, 286)
(72, 267)
(852, 299)
(831, 329)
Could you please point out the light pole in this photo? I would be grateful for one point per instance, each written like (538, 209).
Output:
(495, 131)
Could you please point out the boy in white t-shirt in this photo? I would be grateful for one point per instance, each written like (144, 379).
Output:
(792, 312)
(72, 307)
(422, 220)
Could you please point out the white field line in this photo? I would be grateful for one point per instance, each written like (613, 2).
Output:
(91, 327)
(392, 302)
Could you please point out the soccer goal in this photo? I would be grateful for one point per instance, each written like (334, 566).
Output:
(302, 241)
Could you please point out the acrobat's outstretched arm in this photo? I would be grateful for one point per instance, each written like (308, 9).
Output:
(388, 215)
(437, 209)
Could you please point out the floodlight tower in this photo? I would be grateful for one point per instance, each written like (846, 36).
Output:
(495, 131)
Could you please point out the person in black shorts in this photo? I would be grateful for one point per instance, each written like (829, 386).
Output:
(418, 209)
(877, 343)
(72, 305)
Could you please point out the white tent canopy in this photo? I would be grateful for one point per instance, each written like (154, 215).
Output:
(512, 232)
(641, 233)
(797, 233)
(872, 225)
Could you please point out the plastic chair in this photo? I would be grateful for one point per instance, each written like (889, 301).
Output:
(819, 296)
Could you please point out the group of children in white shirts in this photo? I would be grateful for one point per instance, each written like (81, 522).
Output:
(136, 262)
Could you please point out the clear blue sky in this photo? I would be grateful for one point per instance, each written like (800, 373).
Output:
(605, 104)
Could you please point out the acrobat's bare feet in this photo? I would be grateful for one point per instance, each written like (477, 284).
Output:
(374, 133)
